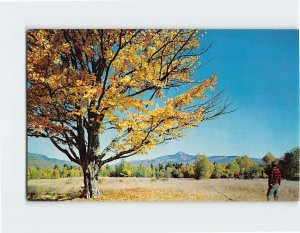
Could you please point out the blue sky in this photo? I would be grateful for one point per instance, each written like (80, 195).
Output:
(259, 70)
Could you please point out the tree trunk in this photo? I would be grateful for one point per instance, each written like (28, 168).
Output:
(91, 185)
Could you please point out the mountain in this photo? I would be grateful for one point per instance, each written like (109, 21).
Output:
(42, 161)
(221, 158)
(181, 157)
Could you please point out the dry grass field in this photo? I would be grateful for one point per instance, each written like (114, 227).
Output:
(147, 189)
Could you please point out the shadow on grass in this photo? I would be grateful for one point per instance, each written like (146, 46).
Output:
(53, 197)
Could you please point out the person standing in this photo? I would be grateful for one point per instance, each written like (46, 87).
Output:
(274, 182)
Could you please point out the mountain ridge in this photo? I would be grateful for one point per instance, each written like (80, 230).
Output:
(43, 161)
(182, 157)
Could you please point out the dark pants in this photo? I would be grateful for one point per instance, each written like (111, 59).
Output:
(273, 190)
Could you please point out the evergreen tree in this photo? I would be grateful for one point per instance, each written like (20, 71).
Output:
(289, 165)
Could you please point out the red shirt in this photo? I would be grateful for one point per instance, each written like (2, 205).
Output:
(275, 176)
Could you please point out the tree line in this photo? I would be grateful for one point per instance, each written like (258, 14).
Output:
(242, 167)
(54, 173)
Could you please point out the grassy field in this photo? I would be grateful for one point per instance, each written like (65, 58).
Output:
(147, 189)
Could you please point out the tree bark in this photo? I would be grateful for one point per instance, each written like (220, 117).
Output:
(91, 185)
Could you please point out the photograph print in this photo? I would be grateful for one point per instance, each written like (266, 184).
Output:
(188, 115)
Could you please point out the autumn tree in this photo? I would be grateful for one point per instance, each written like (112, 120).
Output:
(233, 169)
(253, 171)
(124, 169)
(244, 162)
(203, 168)
(139, 84)
(268, 159)
(218, 170)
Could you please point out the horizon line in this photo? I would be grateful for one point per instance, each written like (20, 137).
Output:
(66, 159)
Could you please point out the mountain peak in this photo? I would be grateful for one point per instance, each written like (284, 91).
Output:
(180, 153)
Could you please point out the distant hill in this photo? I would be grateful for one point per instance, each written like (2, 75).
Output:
(42, 161)
(181, 157)
(222, 158)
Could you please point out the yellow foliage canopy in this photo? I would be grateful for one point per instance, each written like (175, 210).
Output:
(82, 83)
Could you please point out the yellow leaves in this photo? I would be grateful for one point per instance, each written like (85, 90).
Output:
(78, 82)
(89, 93)
(93, 109)
(169, 123)
(197, 92)
(212, 88)
(213, 80)
(57, 61)
(109, 115)
(119, 127)
(159, 93)
(187, 98)
(81, 112)
(126, 79)
(88, 51)
(137, 104)
(66, 45)
(109, 53)
(151, 50)
(117, 86)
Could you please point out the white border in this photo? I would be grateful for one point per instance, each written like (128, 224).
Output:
(21, 216)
